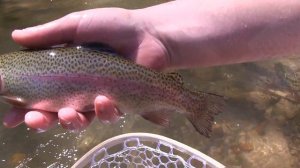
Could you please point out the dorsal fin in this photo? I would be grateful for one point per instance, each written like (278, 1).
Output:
(175, 76)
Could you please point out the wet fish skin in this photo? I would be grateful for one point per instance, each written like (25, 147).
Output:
(73, 76)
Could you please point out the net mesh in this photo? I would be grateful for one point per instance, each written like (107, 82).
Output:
(139, 153)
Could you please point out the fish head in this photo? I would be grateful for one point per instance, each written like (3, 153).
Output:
(9, 83)
(8, 95)
(5, 79)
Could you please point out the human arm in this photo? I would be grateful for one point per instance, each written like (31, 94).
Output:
(209, 33)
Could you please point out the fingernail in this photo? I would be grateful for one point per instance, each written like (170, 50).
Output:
(75, 131)
(5, 124)
(40, 130)
(105, 121)
(26, 29)
(18, 30)
(113, 118)
(67, 125)
(73, 126)
(46, 126)
(116, 116)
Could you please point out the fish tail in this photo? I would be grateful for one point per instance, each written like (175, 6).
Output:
(202, 107)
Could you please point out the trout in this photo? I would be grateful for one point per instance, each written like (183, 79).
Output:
(49, 79)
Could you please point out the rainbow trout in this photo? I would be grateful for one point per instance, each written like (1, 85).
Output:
(53, 78)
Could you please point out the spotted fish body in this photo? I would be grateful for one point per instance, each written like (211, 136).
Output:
(73, 76)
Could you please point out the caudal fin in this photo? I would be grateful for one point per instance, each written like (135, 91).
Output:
(202, 107)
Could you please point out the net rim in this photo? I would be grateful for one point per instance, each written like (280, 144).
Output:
(86, 158)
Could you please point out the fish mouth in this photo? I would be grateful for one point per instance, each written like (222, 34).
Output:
(1, 84)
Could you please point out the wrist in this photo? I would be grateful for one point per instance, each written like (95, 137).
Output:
(185, 28)
(207, 33)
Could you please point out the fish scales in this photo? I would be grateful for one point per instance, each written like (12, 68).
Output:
(73, 76)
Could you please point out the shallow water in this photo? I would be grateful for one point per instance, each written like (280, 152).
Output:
(259, 127)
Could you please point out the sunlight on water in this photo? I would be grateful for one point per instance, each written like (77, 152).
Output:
(54, 149)
(259, 127)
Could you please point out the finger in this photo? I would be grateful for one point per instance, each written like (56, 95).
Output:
(105, 110)
(40, 121)
(73, 120)
(56, 32)
(111, 26)
(14, 118)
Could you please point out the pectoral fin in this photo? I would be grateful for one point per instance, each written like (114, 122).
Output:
(157, 117)
(15, 101)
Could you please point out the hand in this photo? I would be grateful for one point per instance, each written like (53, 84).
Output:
(115, 27)
(68, 117)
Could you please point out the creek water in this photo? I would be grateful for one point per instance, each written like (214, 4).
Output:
(258, 128)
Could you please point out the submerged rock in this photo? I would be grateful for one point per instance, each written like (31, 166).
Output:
(260, 99)
(270, 150)
(242, 147)
(282, 111)
(17, 158)
(260, 128)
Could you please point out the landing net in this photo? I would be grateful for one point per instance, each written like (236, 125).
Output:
(139, 150)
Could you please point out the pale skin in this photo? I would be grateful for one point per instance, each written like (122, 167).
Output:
(178, 34)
